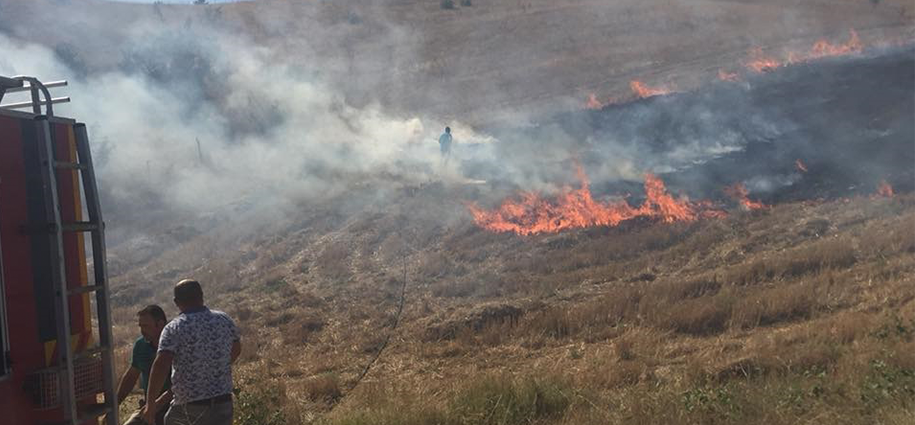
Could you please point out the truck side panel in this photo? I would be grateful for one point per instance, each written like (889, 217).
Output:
(26, 350)
(26, 267)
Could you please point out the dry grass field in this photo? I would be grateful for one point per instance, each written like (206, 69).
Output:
(802, 313)
(494, 62)
(387, 305)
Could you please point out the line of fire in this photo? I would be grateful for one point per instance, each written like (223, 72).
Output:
(543, 212)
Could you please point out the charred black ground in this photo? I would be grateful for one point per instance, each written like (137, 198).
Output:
(848, 120)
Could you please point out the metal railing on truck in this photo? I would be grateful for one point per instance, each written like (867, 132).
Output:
(66, 383)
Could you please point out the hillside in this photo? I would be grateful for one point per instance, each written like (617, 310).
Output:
(282, 152)
(802, 312)
(486, 64)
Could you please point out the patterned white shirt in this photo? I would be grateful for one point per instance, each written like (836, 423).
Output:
(201, 341)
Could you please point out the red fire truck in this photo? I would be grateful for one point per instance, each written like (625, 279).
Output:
(55, 330)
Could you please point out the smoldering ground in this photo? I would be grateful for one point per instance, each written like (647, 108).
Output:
(190, 118)
(846, 117)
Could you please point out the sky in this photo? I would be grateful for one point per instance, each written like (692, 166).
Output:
(177, 1)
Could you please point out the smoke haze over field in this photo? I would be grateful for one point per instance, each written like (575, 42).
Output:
(635, 213)
(266, 132)
(276, 128)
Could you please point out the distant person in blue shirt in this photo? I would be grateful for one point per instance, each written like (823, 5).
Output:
(151, 320)
(444, 142)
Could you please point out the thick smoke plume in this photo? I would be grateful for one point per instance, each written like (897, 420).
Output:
(192, 118)
(200, 120)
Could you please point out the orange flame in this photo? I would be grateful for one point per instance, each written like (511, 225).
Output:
(708, 210)
(822, 48)
(643, 91)
(577, 208)
(593, 103)
(884, 189)
(728, 76)
(800, 166)
(660, 204)
(739, 192)
(759, 62)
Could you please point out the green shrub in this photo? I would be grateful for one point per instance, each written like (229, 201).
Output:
(493, 400)
(256, 404)
(714, 401)
(503, 401)
(887, 382)
(393, 416)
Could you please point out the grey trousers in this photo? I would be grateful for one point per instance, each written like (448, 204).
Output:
(137, 417)
(189, 414)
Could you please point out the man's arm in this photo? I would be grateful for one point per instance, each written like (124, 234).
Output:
(236, 349)
(128, 380)
(161, 367)
(163, 400)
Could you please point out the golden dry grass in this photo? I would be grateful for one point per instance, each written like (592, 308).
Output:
(750, 319)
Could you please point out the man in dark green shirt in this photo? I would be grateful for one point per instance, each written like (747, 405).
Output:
(151, 320)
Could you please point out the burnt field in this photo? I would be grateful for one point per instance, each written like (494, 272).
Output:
(803, 311)
(846, 121)
(284, 154)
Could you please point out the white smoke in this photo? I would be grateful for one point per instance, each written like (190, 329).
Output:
(195, 114)
(188, 150)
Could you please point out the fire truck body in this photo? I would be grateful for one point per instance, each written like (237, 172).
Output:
(45, 289)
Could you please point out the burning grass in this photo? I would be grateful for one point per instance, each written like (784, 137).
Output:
(643, 91)
(801, 312)
(759, 61)
(574, 208)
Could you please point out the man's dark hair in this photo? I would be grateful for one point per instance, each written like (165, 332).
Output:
(153, 311)
(447, 129)
(188, 291)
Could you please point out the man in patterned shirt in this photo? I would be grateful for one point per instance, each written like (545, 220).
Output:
(199, 347)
